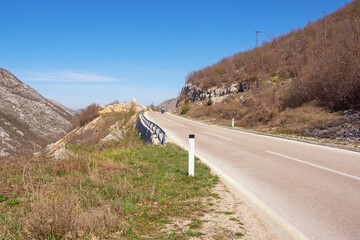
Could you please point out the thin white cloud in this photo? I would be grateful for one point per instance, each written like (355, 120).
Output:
(69, 76)
(151, 70)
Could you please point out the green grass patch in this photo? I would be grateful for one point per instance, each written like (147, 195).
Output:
(226, 213)
(3, 198)
(12, 202)
(196, 223)
(194, 234)
(239, 234)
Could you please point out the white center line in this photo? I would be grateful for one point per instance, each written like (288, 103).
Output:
(228, 139)
(317, 166)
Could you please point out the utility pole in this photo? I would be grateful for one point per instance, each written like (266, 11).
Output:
(257, 38)
(325, 27)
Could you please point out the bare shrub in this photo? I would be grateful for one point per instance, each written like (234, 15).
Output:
(53, 214)
(88, 114)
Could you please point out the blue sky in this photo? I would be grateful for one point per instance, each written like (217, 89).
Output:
(82, 51)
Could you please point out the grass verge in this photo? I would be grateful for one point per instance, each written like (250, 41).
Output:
(124, 191)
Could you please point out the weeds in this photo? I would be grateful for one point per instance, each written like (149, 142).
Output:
(196, 223)
(239, 234)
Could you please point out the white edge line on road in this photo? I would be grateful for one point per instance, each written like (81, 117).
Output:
(218, 136)
(266, 136)
(290, 229)
(314, 165)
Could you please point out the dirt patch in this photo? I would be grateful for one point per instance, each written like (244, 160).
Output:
(225, 217)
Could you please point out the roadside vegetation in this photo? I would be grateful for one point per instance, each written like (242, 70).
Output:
(125, 189)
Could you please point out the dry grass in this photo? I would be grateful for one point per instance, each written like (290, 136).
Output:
(123, 190)
(249, 112)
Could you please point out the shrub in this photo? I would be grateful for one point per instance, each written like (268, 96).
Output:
(210, 102)
(186, 108)
(88, 114)
(152, 107)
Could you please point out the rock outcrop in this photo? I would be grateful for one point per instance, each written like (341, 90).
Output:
(169, 104)
(194, 93)
(123, 107)
(28, 120)
(112, 124)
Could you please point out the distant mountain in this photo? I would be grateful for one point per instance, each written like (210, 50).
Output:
(28, 121)
(169, 104)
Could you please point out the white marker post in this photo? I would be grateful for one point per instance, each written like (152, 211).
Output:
(191, 154)
(232, 123)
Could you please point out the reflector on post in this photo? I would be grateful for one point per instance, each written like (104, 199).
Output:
(191, 154)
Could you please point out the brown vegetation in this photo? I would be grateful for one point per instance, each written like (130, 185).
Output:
(88, 114)
(306, 65)
(249, 112)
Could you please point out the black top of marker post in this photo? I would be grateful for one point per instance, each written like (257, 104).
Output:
(191, 135)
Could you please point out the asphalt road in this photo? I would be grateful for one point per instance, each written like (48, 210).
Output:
(311, 191)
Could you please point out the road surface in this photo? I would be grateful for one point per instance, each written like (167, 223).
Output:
(311, 191)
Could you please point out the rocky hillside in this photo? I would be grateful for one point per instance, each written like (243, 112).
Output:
(313, 63)
(28, 120)
(302, 82)
(113, 123)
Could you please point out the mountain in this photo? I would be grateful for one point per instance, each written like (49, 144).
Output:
(28, 121)
(169, 104)
(306, 79)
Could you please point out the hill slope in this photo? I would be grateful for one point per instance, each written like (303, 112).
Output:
(301, 82)
(28, 120)
(313, 64)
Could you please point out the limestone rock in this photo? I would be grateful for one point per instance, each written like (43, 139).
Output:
(194, 93)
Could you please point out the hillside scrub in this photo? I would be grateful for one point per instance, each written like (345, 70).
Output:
(251, 113)
(89, 113)
(124, 189)
(307, 66)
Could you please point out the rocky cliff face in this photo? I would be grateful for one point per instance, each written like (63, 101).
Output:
(27, 119)
(169, 104)
(194, 93)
